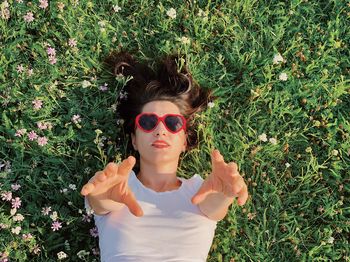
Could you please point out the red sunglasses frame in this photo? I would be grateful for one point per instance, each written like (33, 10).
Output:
(160, 118)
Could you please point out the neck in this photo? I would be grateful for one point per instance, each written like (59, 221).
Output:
(159, 177)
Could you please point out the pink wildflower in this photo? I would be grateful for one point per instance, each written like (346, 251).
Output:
(29, 17)
(27, 236)
(52, 60)
(94, 232)
(76, 119)
(43, 4)
(51, 51)
(72, 42)
(29, 72)
(32, 136)
(20, 132)
(16, 202)
(46, 210)
(56, 226)
(6, 196)
(37, 104)
(42, 141)
(104, 87)
(20, 68)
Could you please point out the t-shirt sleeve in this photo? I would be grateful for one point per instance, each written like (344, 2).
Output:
(195, 183)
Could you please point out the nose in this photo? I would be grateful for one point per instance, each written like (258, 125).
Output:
(160, 129)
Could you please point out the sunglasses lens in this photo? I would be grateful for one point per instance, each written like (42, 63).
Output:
(174, 123)
(148, 122)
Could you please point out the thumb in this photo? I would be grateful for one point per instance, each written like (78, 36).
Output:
(202, 193)
(130, 201)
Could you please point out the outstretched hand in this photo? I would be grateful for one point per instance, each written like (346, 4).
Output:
(224, 178)
(112, 184)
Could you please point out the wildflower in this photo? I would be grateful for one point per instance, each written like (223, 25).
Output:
(42, 125)
(5, 14)
(37, 104)
(43, 4)
(61, 255)
(15, 187)
(283, 77)
(16, 230)
(60, 6)
(277, 59)
(330, 240)
(95, 251)
(85, 84)
(51, 51)
(308, 149)
(251, 216)
(185, 40)
(42, 141)
(211, 104)
(171, 13)
(72, 42)
(72, 186)
(27, 236)
(20, 68)
(287, 165)
(52, 60)
(104, 87)
(16, 202)
(54, 216)
(20, 132)
(56, 226)
(116, 8)
(29, 71)
(201, 13)
(86, 218)
(123, 95)
(6, 196)
(262, 137)
(28, 17)
(94, 232)
(32, 135)
(36, 249)
(335, 152)
(3, 226)
(46, 210)
(13, 211)
(273, 141)
(18, 217)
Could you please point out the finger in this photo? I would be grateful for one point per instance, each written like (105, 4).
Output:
(111, 169)
(126, 166)
(233, 168)
(202, 193)
(87, 189)
(238, 184)
(243, 196)
(217, 160)
(100, 176)
(130, 201)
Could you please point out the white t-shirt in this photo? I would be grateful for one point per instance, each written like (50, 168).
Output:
(171, 229)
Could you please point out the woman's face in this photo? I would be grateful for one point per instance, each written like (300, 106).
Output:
(144, 142)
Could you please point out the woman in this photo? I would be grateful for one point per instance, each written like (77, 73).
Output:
(150, 214)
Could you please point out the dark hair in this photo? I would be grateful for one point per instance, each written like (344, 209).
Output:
(171, 81)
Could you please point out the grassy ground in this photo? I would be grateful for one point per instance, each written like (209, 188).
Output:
(283, 118)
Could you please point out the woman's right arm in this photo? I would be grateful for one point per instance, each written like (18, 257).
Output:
(108, 190)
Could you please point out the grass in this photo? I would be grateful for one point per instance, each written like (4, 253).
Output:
(298, 182)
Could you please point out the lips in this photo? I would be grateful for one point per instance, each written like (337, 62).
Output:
(160, 143)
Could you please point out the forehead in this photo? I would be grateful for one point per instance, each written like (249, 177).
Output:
(161, 108)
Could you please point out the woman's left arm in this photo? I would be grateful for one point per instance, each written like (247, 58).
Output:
(220, 188)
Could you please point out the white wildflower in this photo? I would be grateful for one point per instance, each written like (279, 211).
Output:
(283, 77)
(171, 13)
(262, 137)
(277, 59)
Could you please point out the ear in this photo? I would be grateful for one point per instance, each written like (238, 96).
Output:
(133, 140)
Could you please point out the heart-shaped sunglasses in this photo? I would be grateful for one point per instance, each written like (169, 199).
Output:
(147, 122)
